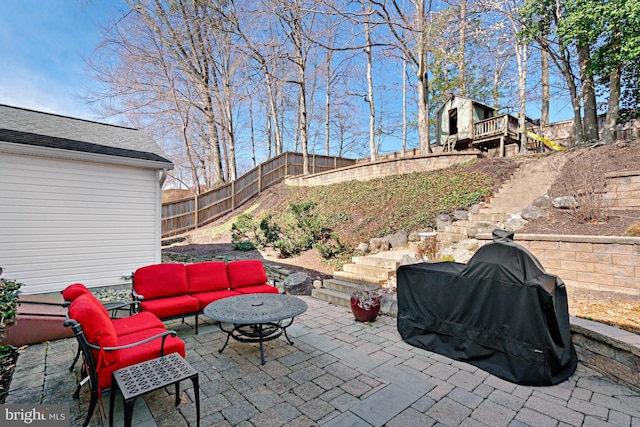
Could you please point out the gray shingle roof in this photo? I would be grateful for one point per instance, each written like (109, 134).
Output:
(22, 126)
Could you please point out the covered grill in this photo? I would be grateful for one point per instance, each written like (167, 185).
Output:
(500, 312)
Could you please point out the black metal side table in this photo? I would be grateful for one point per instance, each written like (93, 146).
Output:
(136, 380)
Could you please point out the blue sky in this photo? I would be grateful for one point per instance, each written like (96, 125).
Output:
(42, 46)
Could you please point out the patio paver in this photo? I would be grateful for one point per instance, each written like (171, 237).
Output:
(337, 373)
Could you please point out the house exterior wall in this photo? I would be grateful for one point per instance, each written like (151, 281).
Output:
(65, 221)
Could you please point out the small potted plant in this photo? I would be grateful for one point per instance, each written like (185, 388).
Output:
(365, 303)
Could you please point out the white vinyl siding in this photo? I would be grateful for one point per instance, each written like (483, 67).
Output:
(65, 221)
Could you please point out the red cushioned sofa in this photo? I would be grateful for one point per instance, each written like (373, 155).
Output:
(111, 344)
(173, 290)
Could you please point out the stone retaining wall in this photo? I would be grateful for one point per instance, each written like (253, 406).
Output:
(612, 351)
(623, 190)
(594, 262)
(368, 171)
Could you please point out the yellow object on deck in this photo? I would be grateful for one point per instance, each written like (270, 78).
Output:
(549, 143)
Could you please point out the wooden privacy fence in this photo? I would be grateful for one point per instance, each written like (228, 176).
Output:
(193, 212)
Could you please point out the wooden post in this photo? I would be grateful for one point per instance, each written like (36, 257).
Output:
(286, 163)
(195, 211)
(233, 195)
(259, 178)
(502, 146)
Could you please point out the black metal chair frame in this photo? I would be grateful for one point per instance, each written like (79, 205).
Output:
(88, 371)
(133, 307)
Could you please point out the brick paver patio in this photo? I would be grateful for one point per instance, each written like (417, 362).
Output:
(337, 373)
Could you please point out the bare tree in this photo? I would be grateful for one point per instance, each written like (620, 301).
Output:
(401, 21)
(297, 21)
(370, 96)
(184, 31)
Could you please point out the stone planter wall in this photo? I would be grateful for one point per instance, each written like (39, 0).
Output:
(593, 262)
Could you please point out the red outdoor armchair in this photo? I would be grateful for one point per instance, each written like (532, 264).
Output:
(108, 345)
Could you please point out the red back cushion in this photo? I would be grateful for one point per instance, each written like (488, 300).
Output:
(71, 292)
(161, 280)
(207, 277)
(97, 327)
(247, 272)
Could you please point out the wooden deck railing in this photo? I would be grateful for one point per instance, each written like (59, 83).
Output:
(189, 213)
(500, 125)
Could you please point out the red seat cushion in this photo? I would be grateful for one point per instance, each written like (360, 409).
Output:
(206, 298)
(140, 353)
(207, 276)
(136, 323)
(161, 280)
(258, 289)
(97, 327)
(246, 272)
(171, 307)
(72, 292)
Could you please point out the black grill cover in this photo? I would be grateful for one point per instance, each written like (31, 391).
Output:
(500, 312)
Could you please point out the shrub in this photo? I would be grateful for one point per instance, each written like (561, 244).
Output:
(583, 177)
(331, 247)
(428, 248)
(271, 231)
(292, 244)
(633, 230)
(9, 291)
(244, 233)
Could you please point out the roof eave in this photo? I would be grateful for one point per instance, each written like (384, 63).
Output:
(57, 153)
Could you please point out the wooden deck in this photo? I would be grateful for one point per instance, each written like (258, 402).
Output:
(495, 132)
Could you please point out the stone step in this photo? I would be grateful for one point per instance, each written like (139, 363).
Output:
(331, 296)
(368, 271)
(356, 278)
(466, 223)
(491, 217)
(377, 261)
(455, 228)
(339, 285)
(451, 237)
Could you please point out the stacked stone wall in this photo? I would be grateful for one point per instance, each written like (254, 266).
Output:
(380, 169)
(623, 190)
(593, 262)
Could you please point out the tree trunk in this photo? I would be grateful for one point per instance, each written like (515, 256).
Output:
(372, 109)
(613, 106)
(404, 105)
(546, 94)
(253, 136)
(521, 55)
(327, 105)
(423, 83)
(462, 47)
(590, 121)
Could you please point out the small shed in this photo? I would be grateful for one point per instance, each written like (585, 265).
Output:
(81, 200)
(463, 123)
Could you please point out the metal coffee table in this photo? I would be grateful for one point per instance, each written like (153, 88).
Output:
(256, 317)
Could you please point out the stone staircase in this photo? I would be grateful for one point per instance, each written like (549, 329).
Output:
(372, 270)
(532, 179)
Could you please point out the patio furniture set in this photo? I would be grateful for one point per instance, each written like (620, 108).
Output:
(137, 354)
